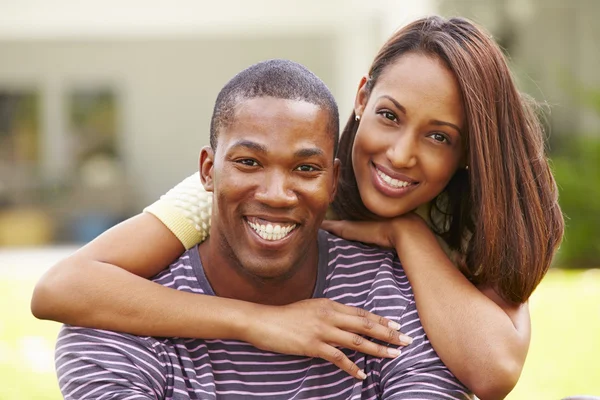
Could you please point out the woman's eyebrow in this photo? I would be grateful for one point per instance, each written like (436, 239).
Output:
(398, 105)
(444, 123)
(433, 121)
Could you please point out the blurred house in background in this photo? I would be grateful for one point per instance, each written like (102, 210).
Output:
(553, 46)
(104, 105)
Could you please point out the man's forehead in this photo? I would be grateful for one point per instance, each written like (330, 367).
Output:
(264, 123)
(270, 109)
(297, 149)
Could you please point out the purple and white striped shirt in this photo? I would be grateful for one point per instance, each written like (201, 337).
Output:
(98, 364)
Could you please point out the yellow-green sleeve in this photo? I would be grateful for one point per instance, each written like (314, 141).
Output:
(185, 210)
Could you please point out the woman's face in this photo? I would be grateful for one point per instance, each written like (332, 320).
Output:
(408, 143)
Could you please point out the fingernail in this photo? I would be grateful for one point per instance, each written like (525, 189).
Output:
(405, 340)
(361, 374)
(393, 352)
(394, 325)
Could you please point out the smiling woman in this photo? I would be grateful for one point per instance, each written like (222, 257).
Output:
(438, 97)
(408, 144)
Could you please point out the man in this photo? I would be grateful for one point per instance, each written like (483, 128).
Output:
(272, 168)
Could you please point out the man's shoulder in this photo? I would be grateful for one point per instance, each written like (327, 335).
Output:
(185, 273)
(75, 341)
(357, 272)
(342, 251)
(76, 334)
(186, 259)
(95, 363)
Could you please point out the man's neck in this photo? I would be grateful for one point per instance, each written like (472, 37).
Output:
(228, 279)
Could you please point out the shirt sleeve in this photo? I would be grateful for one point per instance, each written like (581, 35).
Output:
(418, 372)
(185, 210)
(97, 364)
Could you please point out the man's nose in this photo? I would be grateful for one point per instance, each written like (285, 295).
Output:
(276, 190)
(402, 153)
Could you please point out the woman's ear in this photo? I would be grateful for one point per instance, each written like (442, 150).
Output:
(206, 168)
(362, 96)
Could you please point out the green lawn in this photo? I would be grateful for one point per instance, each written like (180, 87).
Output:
(564, 358)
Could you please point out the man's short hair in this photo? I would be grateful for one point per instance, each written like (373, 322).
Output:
(282, 79)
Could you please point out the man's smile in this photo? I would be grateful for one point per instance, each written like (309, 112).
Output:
(271, 230)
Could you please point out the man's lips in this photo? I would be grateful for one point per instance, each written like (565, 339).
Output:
(268, 219)
(271, 229)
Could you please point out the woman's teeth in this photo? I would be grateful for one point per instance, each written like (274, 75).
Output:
(395, 183)
(270, 231)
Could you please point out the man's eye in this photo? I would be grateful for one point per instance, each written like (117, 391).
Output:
(306, 168)
(248, 162)
(438, 137)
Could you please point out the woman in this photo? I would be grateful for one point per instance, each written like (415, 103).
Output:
(438, 125)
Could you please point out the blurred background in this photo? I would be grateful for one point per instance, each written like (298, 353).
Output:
(104, 106)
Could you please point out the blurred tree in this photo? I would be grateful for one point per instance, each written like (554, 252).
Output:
(576, 161)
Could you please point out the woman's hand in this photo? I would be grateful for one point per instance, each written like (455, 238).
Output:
(317, 327)
(380, 233)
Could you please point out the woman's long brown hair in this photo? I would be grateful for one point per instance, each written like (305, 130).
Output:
(502, 215)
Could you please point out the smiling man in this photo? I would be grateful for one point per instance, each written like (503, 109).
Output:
(272, 169)
(273, 175)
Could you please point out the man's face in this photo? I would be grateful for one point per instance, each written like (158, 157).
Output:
(273, 176)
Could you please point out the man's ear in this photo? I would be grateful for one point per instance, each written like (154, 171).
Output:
(207, 156)
(336, 178)
(362, 96)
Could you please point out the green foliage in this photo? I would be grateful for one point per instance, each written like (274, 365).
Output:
(576, 166)
(563, 356)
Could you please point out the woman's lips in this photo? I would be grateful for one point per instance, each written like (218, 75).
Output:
(395, 185)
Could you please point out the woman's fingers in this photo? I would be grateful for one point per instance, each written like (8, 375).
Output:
(339, 359)
(346, 229)
(335, 316)
(361, 344)
(361, 312)
(315, 327)
(355, 342)
(361, 321)
(367, 232)
(358, 326)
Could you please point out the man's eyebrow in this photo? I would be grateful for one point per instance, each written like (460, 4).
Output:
(309, 152)
(250, 146)
(398, 105)
(444, 123)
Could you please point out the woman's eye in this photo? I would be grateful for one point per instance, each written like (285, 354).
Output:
(306, 168)
(248, 162)
(438, 137)
(388, 115)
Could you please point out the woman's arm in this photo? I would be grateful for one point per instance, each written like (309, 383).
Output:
(482, 339)
(89, 289)
(97, 287)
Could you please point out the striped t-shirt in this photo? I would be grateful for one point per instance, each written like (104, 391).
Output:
(98, 364)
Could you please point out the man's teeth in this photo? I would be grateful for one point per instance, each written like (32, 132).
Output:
(270, 231)
(391, 181)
